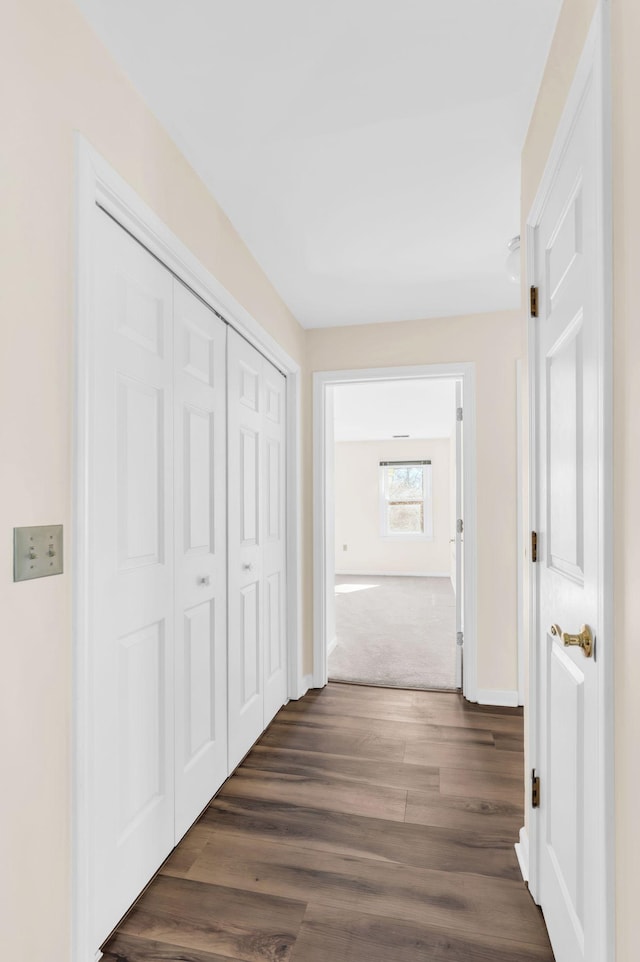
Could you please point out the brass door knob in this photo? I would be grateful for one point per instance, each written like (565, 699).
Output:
(584, 640)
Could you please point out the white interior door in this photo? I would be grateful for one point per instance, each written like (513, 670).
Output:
(459, 540)
(131, 547)
(568, 417)
(200, 556)
(256, 540)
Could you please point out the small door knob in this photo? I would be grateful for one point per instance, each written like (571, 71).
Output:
(247, 566)
(204, 580)
(582, 640)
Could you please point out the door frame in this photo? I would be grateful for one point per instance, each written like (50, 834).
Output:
(324, 507)
(594, 68)
(97, 183)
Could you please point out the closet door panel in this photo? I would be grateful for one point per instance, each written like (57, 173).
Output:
(257, 581)
(245, 630)
(130, 633)
(274, 540)
(188, 581)
(200, 562)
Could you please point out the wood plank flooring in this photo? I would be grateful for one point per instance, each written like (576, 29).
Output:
(366, 825)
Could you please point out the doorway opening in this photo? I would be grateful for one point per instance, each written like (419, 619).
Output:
(395, 523)
(395, 513)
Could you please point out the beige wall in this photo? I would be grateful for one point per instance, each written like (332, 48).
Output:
(493, 342)
(568, 42)
(56, 78)
(357, 509)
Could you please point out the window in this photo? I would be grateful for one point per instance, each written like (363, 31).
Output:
(405, 492)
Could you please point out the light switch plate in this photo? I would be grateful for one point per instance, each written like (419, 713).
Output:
(37, 552)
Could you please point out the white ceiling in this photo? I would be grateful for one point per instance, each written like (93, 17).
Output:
(367, 151)
(376, 410)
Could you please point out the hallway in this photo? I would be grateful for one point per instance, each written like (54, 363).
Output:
(366, 825)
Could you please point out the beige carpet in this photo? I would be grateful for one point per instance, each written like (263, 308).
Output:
(395, 632)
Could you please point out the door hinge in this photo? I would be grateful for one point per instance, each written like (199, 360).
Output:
(459, 526)
(459, 638)
(458, 414)
(535, 789)
(533, 301)
(534, 545)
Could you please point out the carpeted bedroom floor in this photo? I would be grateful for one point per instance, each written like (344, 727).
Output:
(394, 632)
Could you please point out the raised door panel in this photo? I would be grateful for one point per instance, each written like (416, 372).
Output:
(565, 508)
(564, 830)
(198, 463)
(249, 644)
(200, 555)
(142, 724)
(248, 481)
(200, 678)
(131, 544)
(141, 495)
(273, 625)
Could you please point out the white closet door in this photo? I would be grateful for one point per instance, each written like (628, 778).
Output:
(256, 538)
(131, 546)
(201, 562)
(273, 493)
(245, 650)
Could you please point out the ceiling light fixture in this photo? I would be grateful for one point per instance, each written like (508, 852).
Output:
(512, 263)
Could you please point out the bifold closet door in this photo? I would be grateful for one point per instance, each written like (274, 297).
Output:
(158, 591)
(200, 552)
(131, 573)
(256, 544)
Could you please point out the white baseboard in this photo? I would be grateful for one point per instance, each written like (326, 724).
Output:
(504, 698)
(332, 644)
(393, 574)
(522, 853)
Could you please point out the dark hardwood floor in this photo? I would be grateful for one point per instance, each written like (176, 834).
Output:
(366, 825)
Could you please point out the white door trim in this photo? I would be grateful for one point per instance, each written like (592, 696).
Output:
(323, 505)
(594, 68)
(98, 183)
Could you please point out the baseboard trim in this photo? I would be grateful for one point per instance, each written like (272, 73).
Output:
(503, 698)
(522, 853)
(393, 574)
(332, 644)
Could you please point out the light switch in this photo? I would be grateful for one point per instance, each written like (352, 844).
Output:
(37, 552)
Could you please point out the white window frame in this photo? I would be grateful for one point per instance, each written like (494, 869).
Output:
(427, 501)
